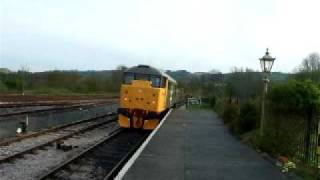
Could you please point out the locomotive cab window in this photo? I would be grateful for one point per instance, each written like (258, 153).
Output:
(155, 81)
(128, 78)
(144, 77)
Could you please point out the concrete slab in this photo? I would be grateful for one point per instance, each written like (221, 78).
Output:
(196, 145)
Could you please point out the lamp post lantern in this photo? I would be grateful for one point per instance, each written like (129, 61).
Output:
(266, 63)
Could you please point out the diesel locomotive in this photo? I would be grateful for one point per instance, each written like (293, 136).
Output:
(146, 95)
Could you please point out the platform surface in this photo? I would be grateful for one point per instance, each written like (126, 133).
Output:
(195, 144)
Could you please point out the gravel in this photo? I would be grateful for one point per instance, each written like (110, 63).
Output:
(48, 119)
(35, 141)
(24, 109)
(32, 166)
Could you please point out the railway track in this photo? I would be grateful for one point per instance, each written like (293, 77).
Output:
(8, 141)
(101, 161)
(18, 147)
(53, 108)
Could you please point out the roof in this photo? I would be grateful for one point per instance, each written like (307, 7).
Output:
(145, 69)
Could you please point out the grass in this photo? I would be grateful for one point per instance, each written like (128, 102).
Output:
(306, 172)
(302, 170)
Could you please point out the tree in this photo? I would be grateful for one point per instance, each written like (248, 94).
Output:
(116, 77)
(309, 68)
(311, 63)
(23, 72)
(214, 71)
(294, 96)
(243, 83)
(121, 68)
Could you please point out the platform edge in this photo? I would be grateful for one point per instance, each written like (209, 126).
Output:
(135, 156)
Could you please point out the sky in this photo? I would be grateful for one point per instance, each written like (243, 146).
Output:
(195, 35)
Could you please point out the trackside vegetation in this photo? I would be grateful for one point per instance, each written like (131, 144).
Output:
(62, 82)
(292, 115)
(291, 106)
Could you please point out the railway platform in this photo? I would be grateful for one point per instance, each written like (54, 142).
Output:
(195, 144)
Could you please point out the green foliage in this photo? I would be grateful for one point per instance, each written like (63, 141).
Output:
(248, 117)
(282, 134)
(243, 84)
(62, 82)
(51, 91)
(308, 75)
(230, 113)
(288, 108)
(14, 84)
(198, 84)
(241, 118)
(294, 96)
(3, 87)
(307, 172)
(212, 101)
(219, 106)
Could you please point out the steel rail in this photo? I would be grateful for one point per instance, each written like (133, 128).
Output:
(35, 134)
(31, 149)
(112, 174)
(65, 163)
(48, 103)
(53, 109)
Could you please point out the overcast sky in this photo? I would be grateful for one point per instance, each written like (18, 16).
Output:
(196, 35)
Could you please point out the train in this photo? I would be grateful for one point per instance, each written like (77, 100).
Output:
(146, 95)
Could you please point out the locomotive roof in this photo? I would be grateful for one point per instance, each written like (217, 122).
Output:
(144, 69)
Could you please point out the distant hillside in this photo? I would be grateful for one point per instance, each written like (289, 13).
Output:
(82, 73)
(274, 76)
(180, 75)
(278, 76)
(5, 70)
(183, 75)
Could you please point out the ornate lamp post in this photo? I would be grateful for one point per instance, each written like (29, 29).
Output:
(266, 63)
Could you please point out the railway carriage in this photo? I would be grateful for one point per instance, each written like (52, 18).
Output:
(146, 95)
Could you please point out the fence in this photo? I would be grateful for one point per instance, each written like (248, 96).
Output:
(308, 145)
(295, 134)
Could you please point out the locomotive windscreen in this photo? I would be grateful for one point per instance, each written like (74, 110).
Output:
(156, 81)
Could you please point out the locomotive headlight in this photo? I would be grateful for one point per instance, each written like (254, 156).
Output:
(126, 99)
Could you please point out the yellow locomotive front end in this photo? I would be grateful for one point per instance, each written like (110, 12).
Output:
(146, 95)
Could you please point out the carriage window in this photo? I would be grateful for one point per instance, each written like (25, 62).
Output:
(128, 78)
(163, 82)
(155, 81)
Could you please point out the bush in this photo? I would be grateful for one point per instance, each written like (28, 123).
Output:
(294, 96)
(3, 87)
(248, 118)
(219, 107)
(212, 101)
(282, 134)
(230, 112)
(14, 84)
(287, 111)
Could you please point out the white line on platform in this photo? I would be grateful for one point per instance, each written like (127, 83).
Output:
(135, 156)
